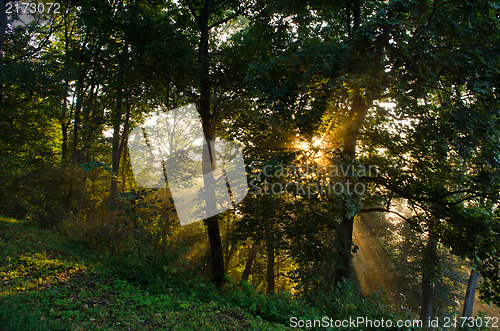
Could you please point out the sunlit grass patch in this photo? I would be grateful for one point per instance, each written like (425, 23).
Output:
(35, 271)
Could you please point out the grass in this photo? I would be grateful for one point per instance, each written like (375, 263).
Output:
(50, 282)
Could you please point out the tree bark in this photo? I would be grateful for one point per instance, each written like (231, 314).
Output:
(427, 298)
(470, 293)
(79, 101)
(429, 260)
(65, 122)
(357, 115)
(207, 118)
(117, 142)
(252, 254)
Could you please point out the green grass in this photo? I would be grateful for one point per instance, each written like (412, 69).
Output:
(50, 282)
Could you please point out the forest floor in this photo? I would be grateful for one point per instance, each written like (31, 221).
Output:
(49, 282)
(375, 269)
(53, 282)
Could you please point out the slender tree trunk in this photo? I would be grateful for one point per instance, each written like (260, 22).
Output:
(226, 248)
(229, 257)
(470, 293)
(64, 130)
(65, 122)
(124, 176)
(116, 142)
(75, 156)
(252, 254)
(79, 102)
(270, 267)
(428, 275)
(76, 122)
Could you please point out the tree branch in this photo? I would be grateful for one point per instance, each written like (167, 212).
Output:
(227, 19)
(382, 210)
(191, 9)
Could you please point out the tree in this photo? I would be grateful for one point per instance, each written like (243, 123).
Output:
(440, 152)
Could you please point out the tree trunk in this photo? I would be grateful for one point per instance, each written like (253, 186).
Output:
(65, 122)
(428, 275)
(345, 244)
(252, 254)
(117, 142)
(124, 167)
(357, 115)
(229, 256)
(79, 101)
(470, 293)
(427, 298)
(270, 267)
(64, 148)
(207, 118)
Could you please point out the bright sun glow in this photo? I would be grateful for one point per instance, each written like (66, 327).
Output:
(307, 146)
(317, 141)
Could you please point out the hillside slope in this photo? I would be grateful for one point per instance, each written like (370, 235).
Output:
(49, 282)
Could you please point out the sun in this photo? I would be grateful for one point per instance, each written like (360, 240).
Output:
(307, 146)
(316, 142)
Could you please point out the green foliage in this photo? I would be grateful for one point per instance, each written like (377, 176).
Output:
(280, 73)
(490, 287)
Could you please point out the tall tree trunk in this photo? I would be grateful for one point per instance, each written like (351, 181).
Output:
(428, 263)
(270, 267)
(470, 293)
(116, 142)
(82, 70)
(357, 115)
(252, 254)
(207, 118)
(355, 120)
(65, 122)
(76, 122)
